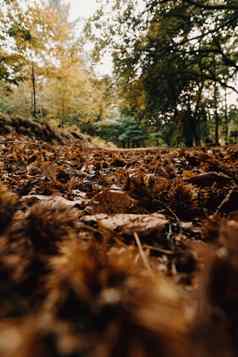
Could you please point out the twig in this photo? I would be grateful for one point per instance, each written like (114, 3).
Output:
(224, 201)
(160, 250)
(175, 216)
(120, 242)
(142, 253)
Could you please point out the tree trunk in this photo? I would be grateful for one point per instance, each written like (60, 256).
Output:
(216, 115)
(216, 128)
(197, 136)
(188, 126)
(197, 117)
(226, 119)
(33, 79)
(62, 113)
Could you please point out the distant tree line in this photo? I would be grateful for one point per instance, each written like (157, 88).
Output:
(174, 69)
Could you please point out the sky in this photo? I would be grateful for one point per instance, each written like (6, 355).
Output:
(82, 8)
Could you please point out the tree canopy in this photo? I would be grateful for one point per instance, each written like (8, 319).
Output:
(176, 54)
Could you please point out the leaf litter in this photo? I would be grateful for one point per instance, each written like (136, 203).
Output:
(117, 253)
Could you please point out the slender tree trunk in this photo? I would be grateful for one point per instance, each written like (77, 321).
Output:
(215, 101)
(179, 127)
(216, 128)
(189, 129)
(226, 118)
(216, 115)
(33, 79)
(63, 113)
(197, 119)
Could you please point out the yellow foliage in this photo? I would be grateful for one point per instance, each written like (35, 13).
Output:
(56, 74)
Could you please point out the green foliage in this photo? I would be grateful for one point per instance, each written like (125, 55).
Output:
(130, 133)
(124, 132)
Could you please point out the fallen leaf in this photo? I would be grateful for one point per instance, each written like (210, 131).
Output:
(208, 178)
(113, 201)
(54, 200)
(128, 224)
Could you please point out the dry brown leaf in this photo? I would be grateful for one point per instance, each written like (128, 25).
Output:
(128, 224)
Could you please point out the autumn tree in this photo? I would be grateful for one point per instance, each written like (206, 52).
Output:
(12, 31)
(57, 78)
(27, 30)
(175, 52)
(73, 90)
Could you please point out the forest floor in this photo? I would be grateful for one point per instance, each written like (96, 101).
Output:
(117, 252)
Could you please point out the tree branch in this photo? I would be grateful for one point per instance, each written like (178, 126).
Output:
(218, 7)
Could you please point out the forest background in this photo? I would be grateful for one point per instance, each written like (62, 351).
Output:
(174, 77)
